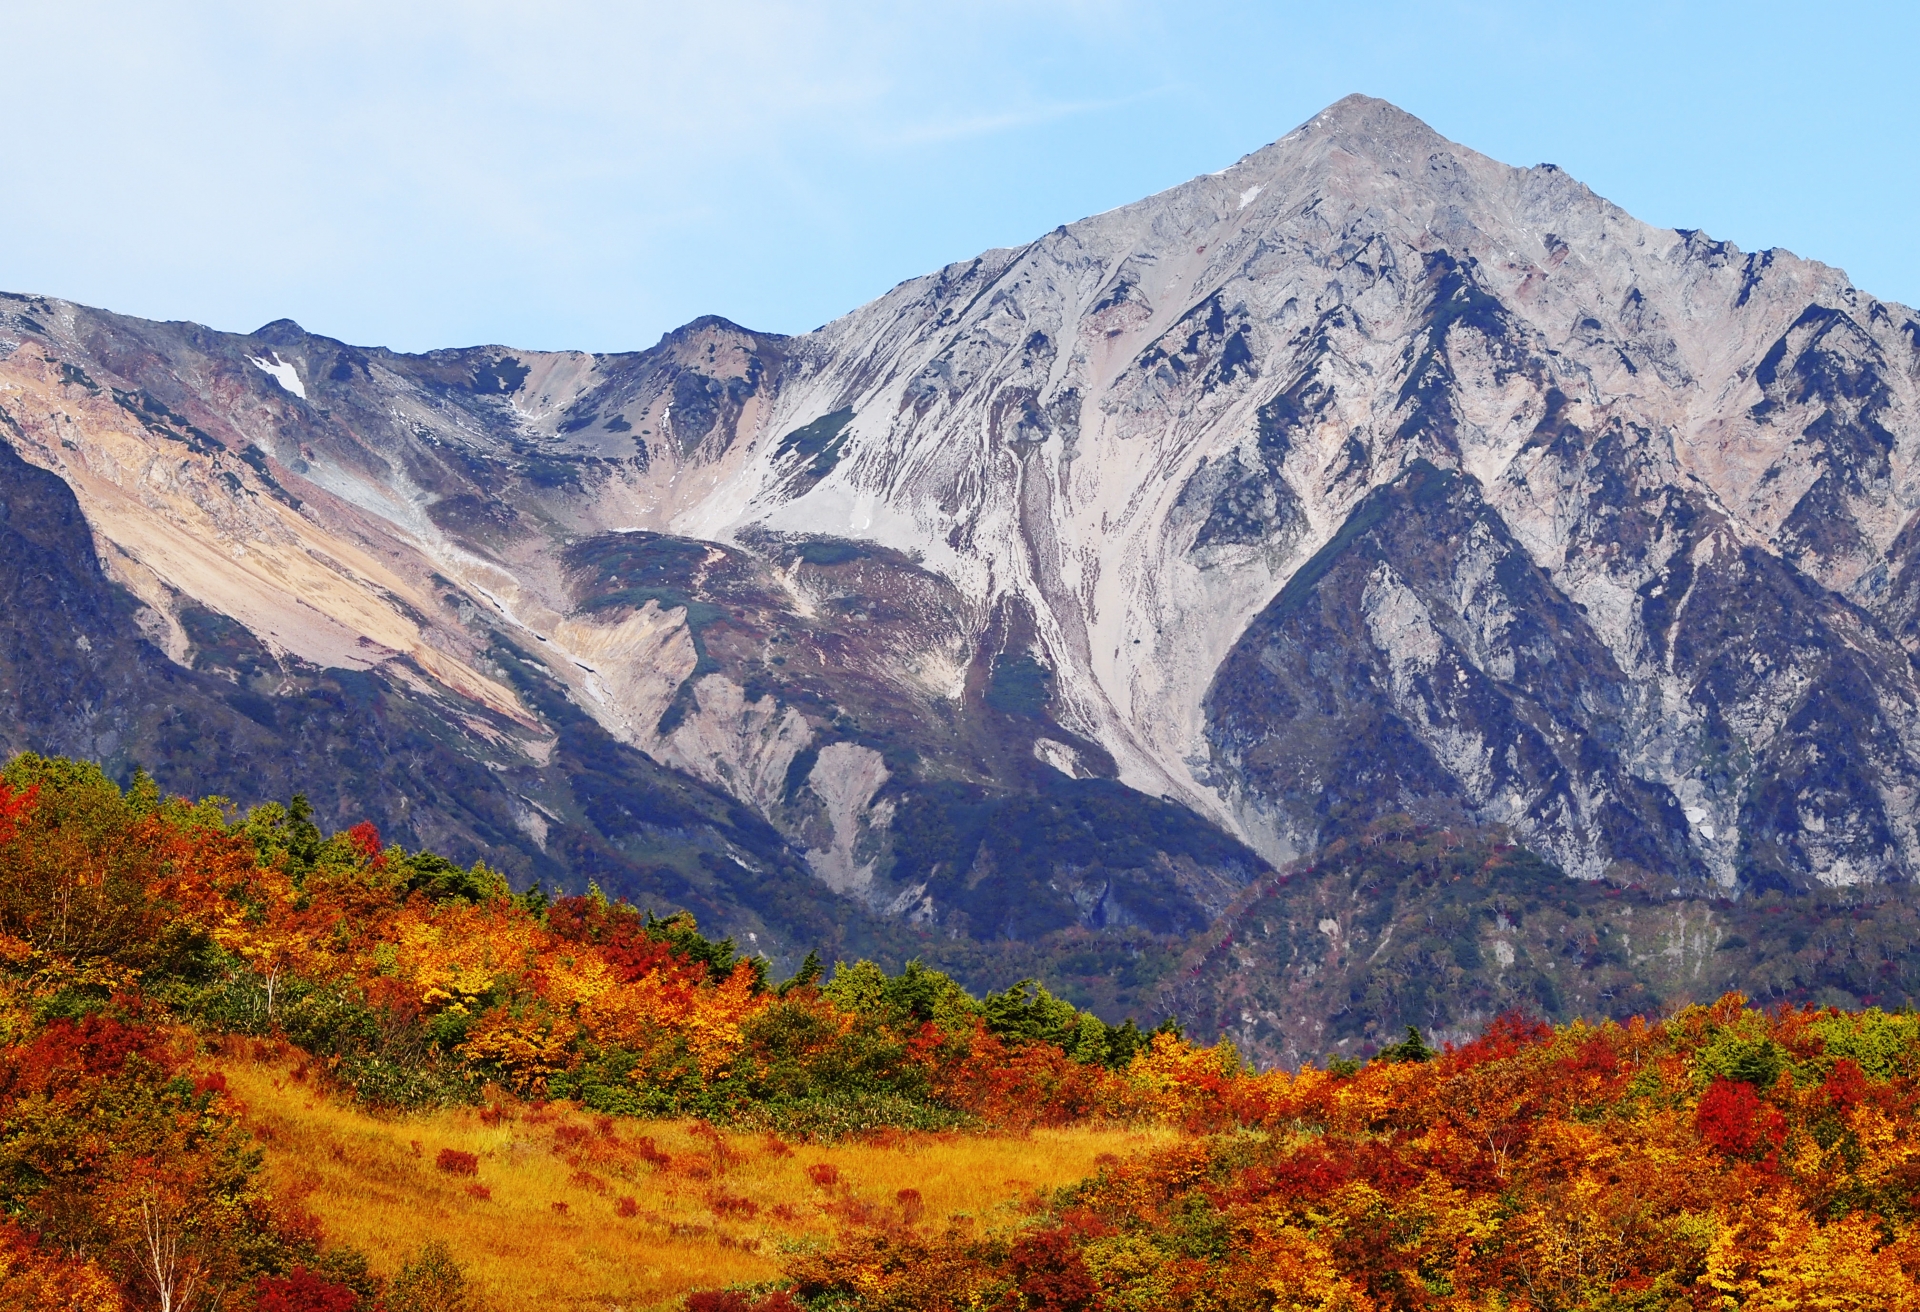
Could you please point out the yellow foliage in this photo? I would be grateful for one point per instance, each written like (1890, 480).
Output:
(1171, 1079)
(453, 953)
(44, 1282)
(1302, 1275)
(578, 979)
(662, 1008)
(1780, 1261)
(528, 1049)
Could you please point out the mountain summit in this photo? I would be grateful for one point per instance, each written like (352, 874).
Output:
(1058, 590)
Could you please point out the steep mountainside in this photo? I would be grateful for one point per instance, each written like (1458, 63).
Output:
(1060, 591)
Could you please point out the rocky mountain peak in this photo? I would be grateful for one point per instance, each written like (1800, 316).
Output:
(1361, 125)
(1151, 425)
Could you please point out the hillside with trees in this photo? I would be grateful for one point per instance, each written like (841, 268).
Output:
(214, 1025)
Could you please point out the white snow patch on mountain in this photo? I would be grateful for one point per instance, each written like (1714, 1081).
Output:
(281, 372)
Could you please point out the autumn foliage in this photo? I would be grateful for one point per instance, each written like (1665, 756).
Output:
(1725, 1158)
(135, 929)
(1722, 1158)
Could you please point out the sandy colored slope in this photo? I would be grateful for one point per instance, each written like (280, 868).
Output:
(699, 1221)
(201, 523)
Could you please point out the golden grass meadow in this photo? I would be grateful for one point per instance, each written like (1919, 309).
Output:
(567, 1209)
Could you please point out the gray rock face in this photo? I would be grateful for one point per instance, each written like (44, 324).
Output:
(1366, 476)
(1371, 474)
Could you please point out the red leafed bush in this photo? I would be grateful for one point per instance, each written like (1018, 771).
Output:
(67, 1051)
(300, 1290)
(728, 1300)
(627, 1206)
(726, 1204)
(479, 1191)
(719, 1300)
(1845, 1086)
(1733, 1120)
(455, 1162)
(1049, 1271)
(824, 1174)
(911, 1206)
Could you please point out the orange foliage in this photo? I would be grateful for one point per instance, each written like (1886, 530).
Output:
(1726, 1158)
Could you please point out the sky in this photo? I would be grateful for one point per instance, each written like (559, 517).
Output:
(571, 174)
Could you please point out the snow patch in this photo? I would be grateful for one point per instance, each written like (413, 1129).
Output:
(281, 372)
(1246, 197)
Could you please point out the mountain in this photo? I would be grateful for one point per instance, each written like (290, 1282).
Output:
(1056, 597)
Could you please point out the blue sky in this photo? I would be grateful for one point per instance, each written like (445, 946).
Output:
(566, 174)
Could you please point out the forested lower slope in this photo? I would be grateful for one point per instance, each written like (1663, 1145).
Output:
(181, 986)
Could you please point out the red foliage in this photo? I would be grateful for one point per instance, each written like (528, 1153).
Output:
(912, 1208)
(1313, 1172)
(1051, 1276)
(728, 1300)
(1845, 1086)
(15, 807)
(627, 1206)
(479, 1191)
(621, 935)
(824, 1174)
(633, 957)
(455, 1162)
(1509, 1033)
(365, 839)
(300, 1290)
(68, 1051)
(1733, 1120)
(724, 1204)
(1595, 1057)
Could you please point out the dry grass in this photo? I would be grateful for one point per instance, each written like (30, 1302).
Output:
(569, 1210)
